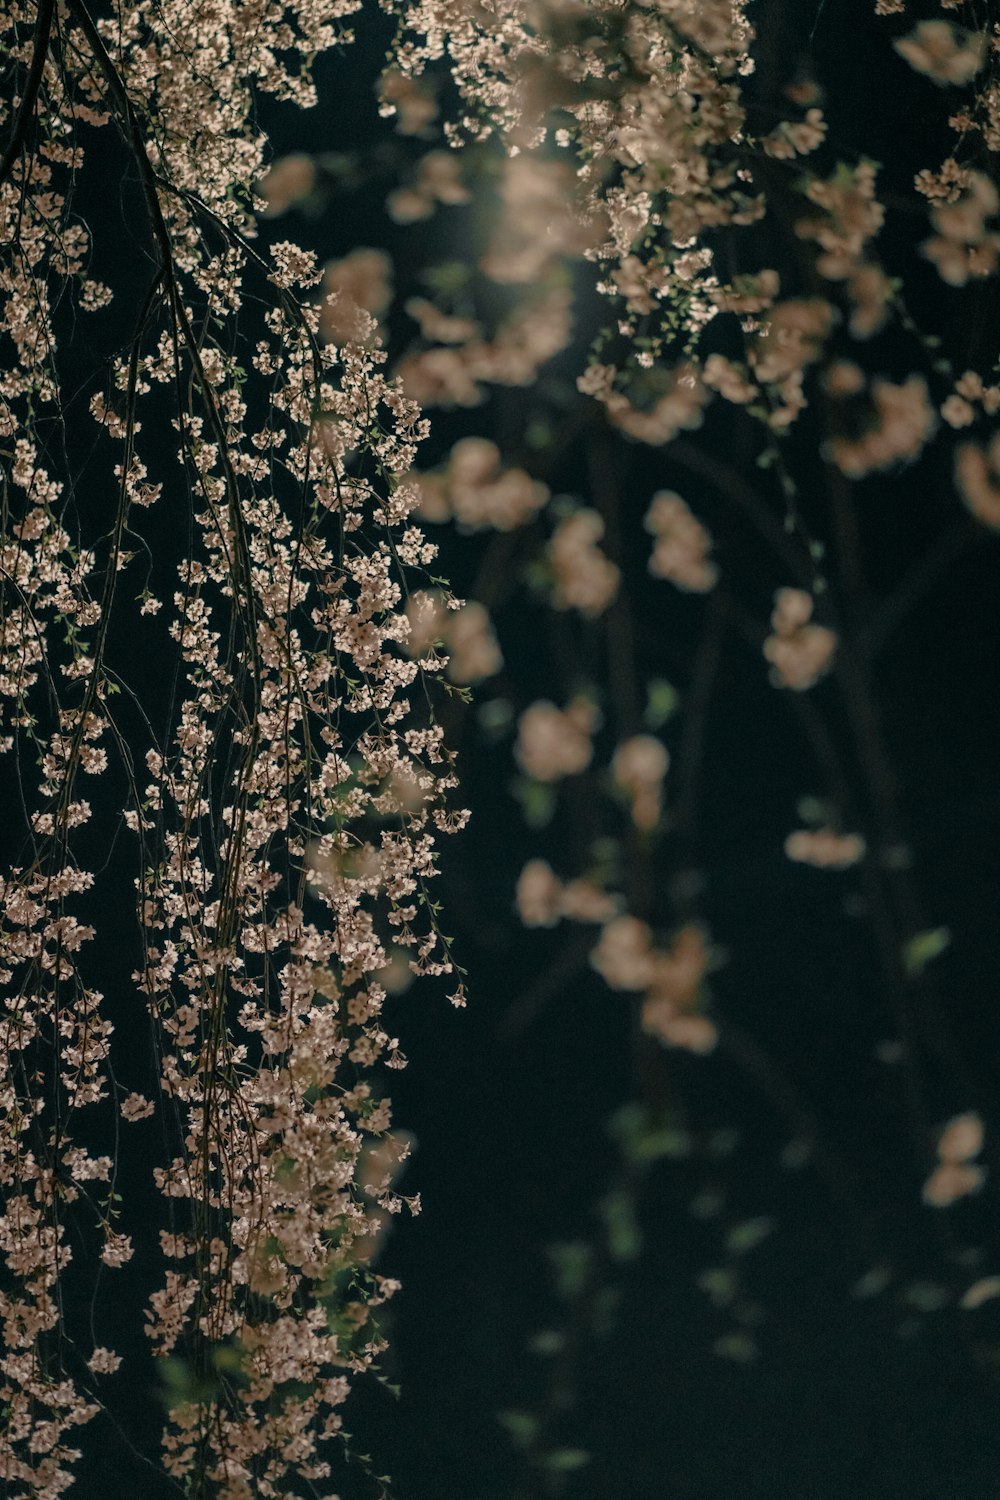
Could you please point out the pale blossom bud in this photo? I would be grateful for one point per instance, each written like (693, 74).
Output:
(961, 1138)
(825, 849)
(951, 1181)
(981, 1291)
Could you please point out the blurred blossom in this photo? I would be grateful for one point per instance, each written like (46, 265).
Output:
(796, 138)
(904, 421)
(542, 899)
(672, 980)
(539, 894)
(844, 378)
(291, 179)
(505, 502)
(408, 205)
(432, 502)
(472, 644)
(944, 52)
(381, 1162)
(799, 651)
(624, 954)
(748, 294)
(870, 291)
(440, 175)
(553, 743)
(977, 478)
(639, 766)
(680, 553)
(532, 334)
(964, 248)
(477, 493)
(473, 461)
(729, 379)
(465, 633)
(397, 976)
(438, 180)
(850, 215)
(981, 1291)
(951, 1181)
(958, 412)
(678, 973)
(409, 99)
(357, 286)
(583, 578)
(961, 1138)
(825, 849)
(440, 377)
(426, 614)
(694, 1033)
(956, 1176)
(583, 901)
(438, 327)
(542, 220)
(535, 331)
(970, 387)
(791, 339)
(679, 408)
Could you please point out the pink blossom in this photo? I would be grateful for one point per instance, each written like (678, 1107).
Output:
(553, 743)
(799, 651)
(951, 1181)
(961, 1138)
(583, 578)
(682, 547)
(824, 848)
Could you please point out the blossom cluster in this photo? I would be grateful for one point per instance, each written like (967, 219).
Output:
(284, 824)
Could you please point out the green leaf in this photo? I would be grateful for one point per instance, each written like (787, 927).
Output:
(565, 1460)
(718, 1283)
(662, 702)
(925, 1296)
(547, 1342)
(796, 1154)
(522, 1426)
(640, 1141)
(920, 950)
(624, 1237)
(570, 1262)
(537, 799)
(748, 1235)
(736, 1346)
(873, 1282)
